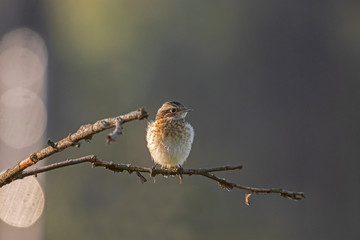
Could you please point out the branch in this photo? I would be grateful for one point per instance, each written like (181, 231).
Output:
(205, 172)
(85, 132)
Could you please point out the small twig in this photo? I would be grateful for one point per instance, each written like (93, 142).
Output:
(51, 143)
(85, 132)
(205, 172)
(117, 131)
(229, 185)
(142, 178)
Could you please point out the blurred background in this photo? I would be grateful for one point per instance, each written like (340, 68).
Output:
(274, 86)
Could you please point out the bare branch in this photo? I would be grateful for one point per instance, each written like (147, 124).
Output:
(205, 172)
(69, 162)
(85, 132)
(229, 185)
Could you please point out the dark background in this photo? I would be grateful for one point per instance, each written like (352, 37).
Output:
(274, 85)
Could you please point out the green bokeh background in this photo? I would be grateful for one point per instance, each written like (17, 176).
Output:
(274, 85)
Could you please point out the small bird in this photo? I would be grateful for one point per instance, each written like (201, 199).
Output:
(169, 137)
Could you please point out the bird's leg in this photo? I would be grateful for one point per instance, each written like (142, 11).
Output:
(180, 170)
(166, 175)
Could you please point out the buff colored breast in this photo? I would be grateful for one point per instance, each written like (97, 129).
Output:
(169, 141)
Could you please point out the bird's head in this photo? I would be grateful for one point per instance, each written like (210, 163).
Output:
(172, 110)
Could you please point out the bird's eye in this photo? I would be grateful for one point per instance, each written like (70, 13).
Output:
(173, 110)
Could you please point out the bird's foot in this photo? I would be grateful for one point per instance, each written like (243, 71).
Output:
(180, 168)
(152, 173)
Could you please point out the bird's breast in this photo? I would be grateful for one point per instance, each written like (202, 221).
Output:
(169, 142)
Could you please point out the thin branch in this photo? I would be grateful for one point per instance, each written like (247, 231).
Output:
(229, 185)
(205, 172)
(69, 162)
(85, 132)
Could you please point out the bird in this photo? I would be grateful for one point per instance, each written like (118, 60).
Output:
(169, 137)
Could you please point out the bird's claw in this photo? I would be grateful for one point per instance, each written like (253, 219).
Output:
(179, 168)
(152, 173)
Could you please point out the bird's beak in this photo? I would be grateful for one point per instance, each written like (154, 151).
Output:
(186, 110)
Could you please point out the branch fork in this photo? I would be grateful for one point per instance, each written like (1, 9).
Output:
(85, 132)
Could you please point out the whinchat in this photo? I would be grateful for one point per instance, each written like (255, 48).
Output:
(169, 137)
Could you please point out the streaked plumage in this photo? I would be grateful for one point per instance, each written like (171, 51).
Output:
(169, 137)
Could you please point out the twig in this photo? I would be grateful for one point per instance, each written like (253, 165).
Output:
(117, 131)
(85, 132)
(229, 185)
(205, 172)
